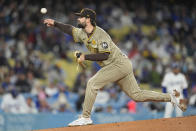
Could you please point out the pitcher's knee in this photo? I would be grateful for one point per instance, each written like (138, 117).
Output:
(91, 85)
(137, 97)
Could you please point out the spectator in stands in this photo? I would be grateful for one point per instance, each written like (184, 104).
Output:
(31, 79)
(80, 82)
(101, 100)
(22, 84)
(6, 83)
(14, 102)
(155, 77)
(109, 109)
(80, 100)
(19, 67)
(61, 103)
(56, 73)
(41, 102)
(51, 89)
(36, 88)
(3, 60)
(79, 88)
(31, 107)
(44, 107)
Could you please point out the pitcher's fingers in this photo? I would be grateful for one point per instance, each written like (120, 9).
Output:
(45, 22)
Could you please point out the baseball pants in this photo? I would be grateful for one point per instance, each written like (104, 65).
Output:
(169, 108)
(120, 72)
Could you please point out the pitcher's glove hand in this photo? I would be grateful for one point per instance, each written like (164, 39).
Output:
(80, 58)
(78, 54)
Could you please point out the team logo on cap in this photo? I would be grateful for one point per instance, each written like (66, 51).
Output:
(104, 45)
(81, 10)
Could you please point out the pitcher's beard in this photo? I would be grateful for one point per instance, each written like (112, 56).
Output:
(81, 25)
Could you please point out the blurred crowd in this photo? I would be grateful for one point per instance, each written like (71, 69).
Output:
(152, 34)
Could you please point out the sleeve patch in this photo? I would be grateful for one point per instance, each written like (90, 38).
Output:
(104, 45)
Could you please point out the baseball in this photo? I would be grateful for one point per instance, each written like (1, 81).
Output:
(43, 10)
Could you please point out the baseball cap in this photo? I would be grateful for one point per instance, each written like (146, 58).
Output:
(88, 13)
(175, 65)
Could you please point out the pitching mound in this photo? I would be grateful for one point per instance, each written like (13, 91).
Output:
(170, 124)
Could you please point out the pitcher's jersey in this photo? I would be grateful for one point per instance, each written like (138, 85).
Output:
(98, 42)
(172, 81)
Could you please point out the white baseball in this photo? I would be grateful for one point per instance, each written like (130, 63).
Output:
(43, 10)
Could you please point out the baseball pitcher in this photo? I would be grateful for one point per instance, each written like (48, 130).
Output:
(116, 67)
(174, 80)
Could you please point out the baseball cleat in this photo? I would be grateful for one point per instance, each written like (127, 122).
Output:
(180, 103)
(81, 121)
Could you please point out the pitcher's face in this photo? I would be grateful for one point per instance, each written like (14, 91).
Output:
(81, 22)
(176, 70)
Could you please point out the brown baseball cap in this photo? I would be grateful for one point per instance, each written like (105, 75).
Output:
(88, 13)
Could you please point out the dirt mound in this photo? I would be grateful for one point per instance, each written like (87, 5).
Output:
(169, 124)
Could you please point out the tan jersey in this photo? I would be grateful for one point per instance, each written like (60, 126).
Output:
(98, 42)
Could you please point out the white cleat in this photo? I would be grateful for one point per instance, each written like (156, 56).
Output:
(81, 121)
(180, 103)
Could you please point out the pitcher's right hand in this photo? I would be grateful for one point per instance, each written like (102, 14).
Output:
(49, 22)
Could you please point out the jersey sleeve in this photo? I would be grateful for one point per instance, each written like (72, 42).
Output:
(76, 33)
(184, 82)
(165, 81)
(104, 45)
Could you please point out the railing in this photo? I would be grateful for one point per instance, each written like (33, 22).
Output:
(11, 122)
